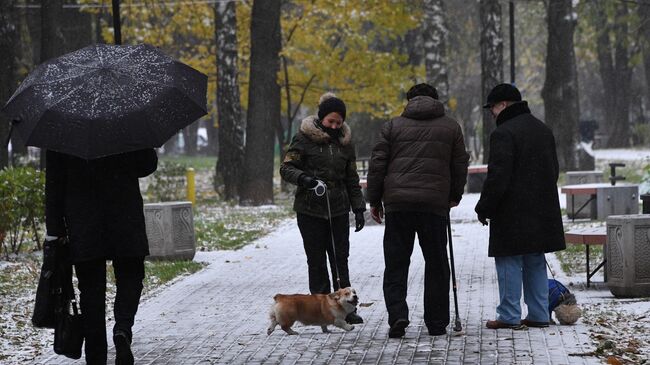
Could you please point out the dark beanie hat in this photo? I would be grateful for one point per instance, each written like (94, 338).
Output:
(422, 90)
(329, 103)
(502, 92)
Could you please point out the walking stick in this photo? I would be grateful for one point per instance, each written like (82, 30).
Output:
(457, 325)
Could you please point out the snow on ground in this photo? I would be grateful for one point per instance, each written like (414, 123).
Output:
(622, 154)
(626, 322)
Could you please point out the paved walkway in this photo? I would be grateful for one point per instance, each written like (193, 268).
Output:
(220, 315)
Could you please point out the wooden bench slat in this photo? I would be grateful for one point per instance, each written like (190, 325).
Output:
(589, 236)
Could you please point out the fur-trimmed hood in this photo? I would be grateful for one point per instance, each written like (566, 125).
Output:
(309, 128)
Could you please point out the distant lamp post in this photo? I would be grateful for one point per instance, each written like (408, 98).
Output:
(512, 42)
(117, 31)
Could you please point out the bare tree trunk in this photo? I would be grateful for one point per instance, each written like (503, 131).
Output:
(560, 93)
(263, 104)
(491, 62)
(231, 129)
(52, 41)
(615, 71)
(171, 145)
(77, 29)
(189, 137)
(284, 131)
(25, 60)
(644, 37)
(8, 38)
(434, 33)
(213, 137)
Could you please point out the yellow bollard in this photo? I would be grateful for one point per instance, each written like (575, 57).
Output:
(191, 187)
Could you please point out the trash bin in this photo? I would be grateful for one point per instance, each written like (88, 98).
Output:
(587, 129)
(645, 198)
(476, 176)
(628, 255)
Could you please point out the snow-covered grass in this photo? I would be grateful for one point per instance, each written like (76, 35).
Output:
(223, 226)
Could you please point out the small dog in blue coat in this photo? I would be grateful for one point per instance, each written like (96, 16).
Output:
(562, 302)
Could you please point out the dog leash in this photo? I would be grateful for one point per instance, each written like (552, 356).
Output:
(321, 189)
(549, 268)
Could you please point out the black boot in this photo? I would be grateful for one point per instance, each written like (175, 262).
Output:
(354, 318)
(123, 354)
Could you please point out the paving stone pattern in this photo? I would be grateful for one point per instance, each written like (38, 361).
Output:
(220, 315)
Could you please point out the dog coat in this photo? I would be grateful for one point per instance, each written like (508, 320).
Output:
(558, 294)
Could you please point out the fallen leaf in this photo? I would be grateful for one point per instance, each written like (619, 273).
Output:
(366, 304)
(613, 360)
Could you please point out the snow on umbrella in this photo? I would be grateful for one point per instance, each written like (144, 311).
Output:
(106, 99)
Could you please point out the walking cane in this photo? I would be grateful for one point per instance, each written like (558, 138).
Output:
(457, 325)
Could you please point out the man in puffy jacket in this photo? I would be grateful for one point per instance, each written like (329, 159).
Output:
(520, 199)
(418, 169)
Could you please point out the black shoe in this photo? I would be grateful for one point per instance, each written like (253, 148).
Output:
(123, 354)
(397, 330)
(528, 323)
(437, 331)
(354, 318)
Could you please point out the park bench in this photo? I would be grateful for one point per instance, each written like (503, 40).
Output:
(607, 199)
(476, 175)
(588, 236)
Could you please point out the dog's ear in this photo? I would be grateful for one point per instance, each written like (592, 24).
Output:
(335, 295)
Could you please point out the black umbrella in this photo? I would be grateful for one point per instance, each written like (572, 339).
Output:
(107, 99)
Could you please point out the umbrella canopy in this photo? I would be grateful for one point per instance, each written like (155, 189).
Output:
(106, 99)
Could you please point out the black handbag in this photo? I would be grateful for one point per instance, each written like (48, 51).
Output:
(55, 297)
(49, 287)
(68, 335)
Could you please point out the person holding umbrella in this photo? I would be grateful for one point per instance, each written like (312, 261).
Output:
(418, 169)
(99, 112)
(321, 155)
(98, 206)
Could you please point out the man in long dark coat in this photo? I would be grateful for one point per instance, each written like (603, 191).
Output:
(98, 206)
(520, 199)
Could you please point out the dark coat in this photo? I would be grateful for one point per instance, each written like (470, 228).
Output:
(520, 193)
(98, 203)
(314, 153)
(420, 161)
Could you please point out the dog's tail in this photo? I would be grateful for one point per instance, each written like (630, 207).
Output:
(273, 318)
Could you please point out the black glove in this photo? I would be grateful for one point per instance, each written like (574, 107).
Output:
(307, 181)
(483, 220)
(359, 221)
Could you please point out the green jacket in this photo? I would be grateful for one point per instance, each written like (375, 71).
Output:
(334, 162)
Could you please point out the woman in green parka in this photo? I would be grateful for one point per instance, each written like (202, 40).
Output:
(321, 151)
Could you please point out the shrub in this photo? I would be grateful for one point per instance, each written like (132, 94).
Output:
(644, 188)
(168, 182)
(641, 134)
(22, 197)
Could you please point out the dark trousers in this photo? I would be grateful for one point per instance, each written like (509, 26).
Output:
(129, 273)
(318, 247)
(399, 236)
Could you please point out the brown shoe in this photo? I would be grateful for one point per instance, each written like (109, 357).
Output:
(498, 324)
(528, 323)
